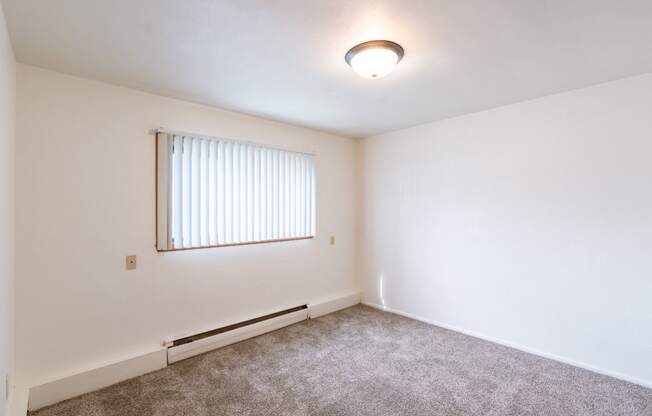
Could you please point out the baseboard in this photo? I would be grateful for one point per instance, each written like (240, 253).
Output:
(333, 304)
(564, 360)
(95, 379)
(84, 382)
(17, 405)
(315, 310)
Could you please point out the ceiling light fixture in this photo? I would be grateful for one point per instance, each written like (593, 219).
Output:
(374, 59)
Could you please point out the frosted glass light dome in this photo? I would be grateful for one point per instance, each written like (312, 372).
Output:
(374, 59)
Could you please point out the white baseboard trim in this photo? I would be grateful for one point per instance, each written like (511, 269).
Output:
(17, 405)
(87, 381)
(315, 309)
(575, 363)
(95, 379)
(334, 304)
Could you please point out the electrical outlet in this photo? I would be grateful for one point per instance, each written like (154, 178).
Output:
(332, 240)
(131, 262)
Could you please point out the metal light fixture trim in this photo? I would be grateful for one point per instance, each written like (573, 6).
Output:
(387, 45)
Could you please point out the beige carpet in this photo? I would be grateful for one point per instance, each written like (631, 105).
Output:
(364, 362)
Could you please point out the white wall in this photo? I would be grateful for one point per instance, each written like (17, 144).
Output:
(85, 199)
(7, 121)
(530, 223)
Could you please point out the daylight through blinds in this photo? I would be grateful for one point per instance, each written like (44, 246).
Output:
(227, 192)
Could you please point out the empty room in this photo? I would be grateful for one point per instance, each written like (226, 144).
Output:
(325, 208)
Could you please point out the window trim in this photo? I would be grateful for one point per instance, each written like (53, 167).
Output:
(246, 243)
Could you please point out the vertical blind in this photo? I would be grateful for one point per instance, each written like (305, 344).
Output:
(213, 192)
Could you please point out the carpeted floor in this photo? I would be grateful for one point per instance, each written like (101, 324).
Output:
(361, 361)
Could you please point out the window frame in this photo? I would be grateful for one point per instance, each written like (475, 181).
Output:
(158, 195)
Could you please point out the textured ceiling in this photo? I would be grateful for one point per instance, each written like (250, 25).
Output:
(284, 59)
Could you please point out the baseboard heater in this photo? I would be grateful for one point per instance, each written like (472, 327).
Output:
(186, 347)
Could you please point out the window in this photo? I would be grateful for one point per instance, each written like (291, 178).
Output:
(214, 192)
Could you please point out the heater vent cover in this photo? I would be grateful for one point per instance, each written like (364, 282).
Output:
(186, 347)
